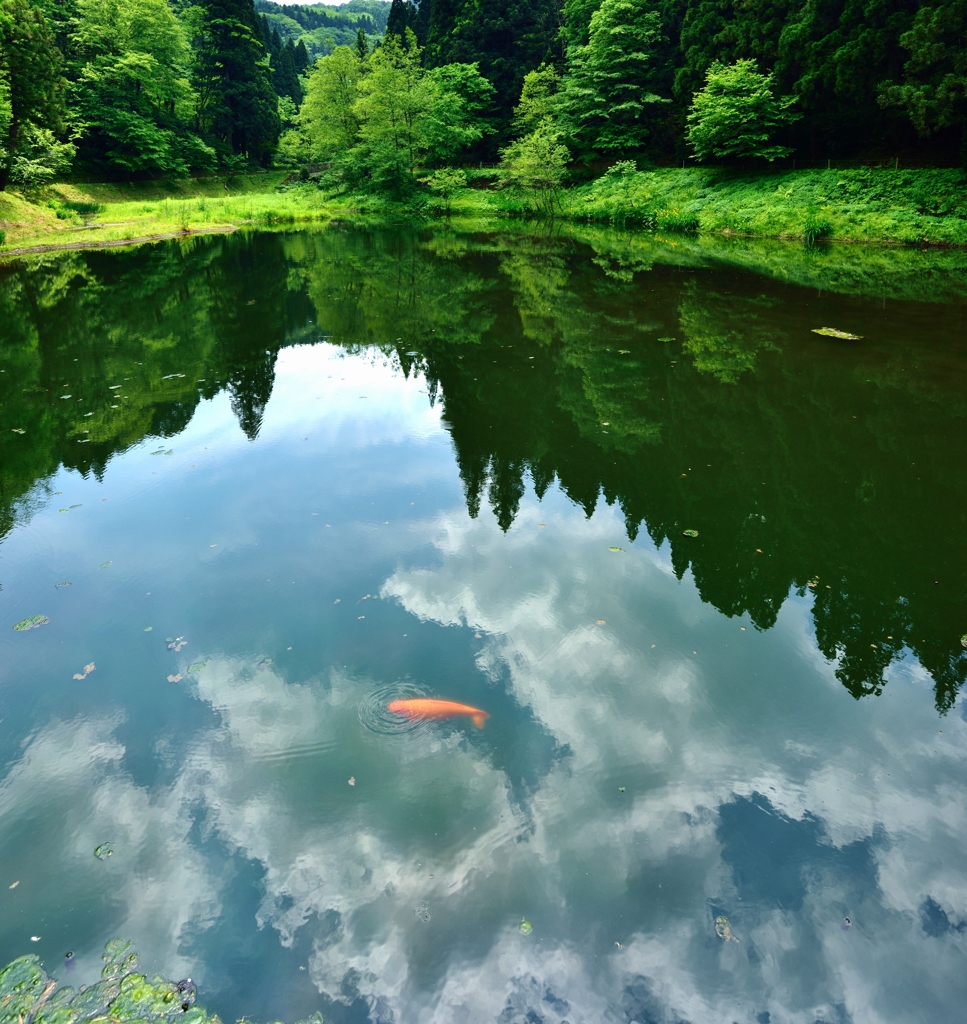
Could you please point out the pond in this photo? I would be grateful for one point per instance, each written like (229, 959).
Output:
(704, 570)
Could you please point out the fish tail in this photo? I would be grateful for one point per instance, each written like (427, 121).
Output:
(478, 720)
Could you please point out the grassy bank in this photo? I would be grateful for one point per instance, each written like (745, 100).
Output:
(71, 215)
(863, 205)
(911, 207)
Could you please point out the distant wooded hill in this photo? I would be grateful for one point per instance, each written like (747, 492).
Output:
(321, 27)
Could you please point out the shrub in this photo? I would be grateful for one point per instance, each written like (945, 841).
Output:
(816, 229)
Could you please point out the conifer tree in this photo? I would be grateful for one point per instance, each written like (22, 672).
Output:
(237, 105)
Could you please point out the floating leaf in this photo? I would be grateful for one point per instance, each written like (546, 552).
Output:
(106, 565)
(88, 669)
(18, 430)
(65, 583)
(197, 667)
(613, 548)
(621, 789)
(602, 622)
(175, 679)
(148, 629)
(104, 851)
(832, 332)
(31, 623)
(689, 533)
(723, 929)
(525, 927)
(666, 339)
(963, 640)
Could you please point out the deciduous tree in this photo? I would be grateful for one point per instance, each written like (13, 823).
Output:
(736, 115)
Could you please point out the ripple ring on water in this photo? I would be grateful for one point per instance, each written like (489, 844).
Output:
(373, 714)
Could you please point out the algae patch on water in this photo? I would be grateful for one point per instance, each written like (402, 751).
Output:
(31, 623)
(122, 996)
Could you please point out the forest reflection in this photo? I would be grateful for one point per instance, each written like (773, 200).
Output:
(692, 396)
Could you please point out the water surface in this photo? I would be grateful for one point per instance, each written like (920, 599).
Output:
(267, 483)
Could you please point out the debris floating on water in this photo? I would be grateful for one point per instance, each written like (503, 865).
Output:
(525, 927)
(88, 669)
(352, 780)
(65, 583)
(104, 851)
(175, 678)
(106, 565)
(31, 623)
(689, 533)
(833, 332)
(175, 643)
(423, 912)
(614, 548)
(723, 929)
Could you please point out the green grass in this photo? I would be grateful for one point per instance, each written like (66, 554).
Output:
(867, 205)
(912, 207)
(71, 214)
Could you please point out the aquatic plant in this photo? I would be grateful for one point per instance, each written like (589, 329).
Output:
(29, 995)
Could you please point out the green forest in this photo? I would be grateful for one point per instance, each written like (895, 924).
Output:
(397, 96)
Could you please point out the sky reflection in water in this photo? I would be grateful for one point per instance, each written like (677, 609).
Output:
(680, 729)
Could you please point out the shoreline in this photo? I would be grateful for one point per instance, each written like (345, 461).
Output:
(923, 209)
(114, 243)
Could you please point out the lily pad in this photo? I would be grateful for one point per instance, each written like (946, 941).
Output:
(833, 332)
(31, 623)
(689, 533)
(525, 927)
(104, 851)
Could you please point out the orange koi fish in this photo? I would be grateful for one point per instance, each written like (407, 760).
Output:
(427, 707)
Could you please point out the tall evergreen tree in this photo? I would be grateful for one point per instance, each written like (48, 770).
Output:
(398, 20)
(301, 56)
(285, 77)
(362, 47)
(237, 104)
(608, 98)
(31, 86)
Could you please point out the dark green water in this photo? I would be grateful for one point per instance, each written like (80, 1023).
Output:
(350, 465)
